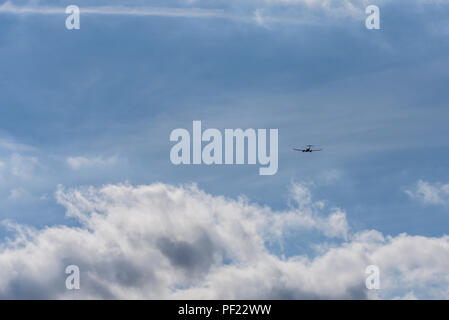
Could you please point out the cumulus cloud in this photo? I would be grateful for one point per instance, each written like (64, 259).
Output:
(78, 162)
(429, 193)
(162, 241)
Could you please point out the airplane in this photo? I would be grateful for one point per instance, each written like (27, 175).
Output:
(307, 149)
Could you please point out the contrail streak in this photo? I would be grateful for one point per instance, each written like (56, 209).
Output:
(8, 7)
(255, 17)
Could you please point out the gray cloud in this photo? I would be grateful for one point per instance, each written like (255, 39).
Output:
(162, 241)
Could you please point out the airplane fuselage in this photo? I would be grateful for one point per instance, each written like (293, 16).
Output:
(308, 149)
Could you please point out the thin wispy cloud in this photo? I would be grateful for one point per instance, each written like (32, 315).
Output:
(14, 146)
(253, 15)
(9, 7)
(23, 166)
(79, 162)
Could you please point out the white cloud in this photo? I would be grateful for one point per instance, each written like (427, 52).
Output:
(14, 146)
(254, 8)
(2, 166)
(330, 176)
(23, 166)
(336, 7)
(9, 7)
(78, 162)
(259, 12)
(250, 12)
(429, 193)
(18, 194)
(161, 241)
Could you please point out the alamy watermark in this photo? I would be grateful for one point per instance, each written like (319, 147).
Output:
(258, 149)
(73, 20)
(72, 282)
(373, 280)
(373, 20)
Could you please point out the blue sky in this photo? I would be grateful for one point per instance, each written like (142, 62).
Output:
(374, 100)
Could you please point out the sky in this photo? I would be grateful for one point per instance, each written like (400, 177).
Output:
(85, 170)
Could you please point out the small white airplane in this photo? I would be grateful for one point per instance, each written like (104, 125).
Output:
(307, 149)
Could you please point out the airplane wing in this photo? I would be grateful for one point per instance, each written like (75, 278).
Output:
(296, 149)
(317, 150)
